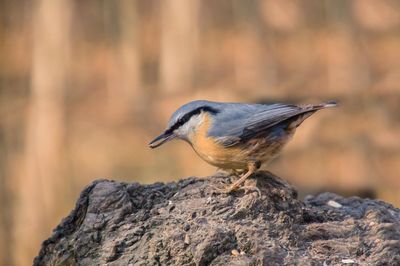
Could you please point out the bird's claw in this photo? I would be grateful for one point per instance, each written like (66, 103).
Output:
(225, 190)
(231, 188)
(251, 188)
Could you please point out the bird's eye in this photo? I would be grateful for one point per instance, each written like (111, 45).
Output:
(182, 120)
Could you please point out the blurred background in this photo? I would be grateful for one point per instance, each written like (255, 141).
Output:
(85, 85)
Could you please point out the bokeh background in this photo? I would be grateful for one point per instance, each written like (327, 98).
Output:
(85, 85)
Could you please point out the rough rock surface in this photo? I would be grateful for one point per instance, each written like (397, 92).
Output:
(187, 223)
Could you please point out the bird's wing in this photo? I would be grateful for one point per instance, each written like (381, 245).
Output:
(239, 123)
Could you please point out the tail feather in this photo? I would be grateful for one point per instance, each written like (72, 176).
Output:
(331, 104)
(317, 107)
(296, 120)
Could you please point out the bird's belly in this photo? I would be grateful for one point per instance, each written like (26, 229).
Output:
(236, 157)
(218, 155)
(261, 149)
(214, 153)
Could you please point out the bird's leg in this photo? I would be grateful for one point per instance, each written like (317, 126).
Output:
(252, 167)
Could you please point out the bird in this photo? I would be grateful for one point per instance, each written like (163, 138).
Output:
(236, 136)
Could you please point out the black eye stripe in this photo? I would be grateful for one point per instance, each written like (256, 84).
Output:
(187, 116)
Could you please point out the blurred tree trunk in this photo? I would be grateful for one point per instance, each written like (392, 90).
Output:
(6, 202)
(39, 186)
(125, 91)
(129, 53)
(179, 22)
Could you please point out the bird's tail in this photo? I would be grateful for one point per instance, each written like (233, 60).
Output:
(307, 111)
(330, 104)
(316, 107)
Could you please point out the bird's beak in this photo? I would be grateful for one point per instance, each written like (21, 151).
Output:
(161, 139)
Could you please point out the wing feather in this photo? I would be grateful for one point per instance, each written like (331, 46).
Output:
(240, 124)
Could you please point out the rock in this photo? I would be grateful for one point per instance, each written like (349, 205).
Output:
(188, 223)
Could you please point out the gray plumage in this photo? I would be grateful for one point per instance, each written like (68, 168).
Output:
(238, 122)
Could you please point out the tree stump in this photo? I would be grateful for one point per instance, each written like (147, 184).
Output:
(188, 223)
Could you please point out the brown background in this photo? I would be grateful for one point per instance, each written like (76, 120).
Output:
(85, 85)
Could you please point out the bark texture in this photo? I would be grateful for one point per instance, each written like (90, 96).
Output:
(187, 223)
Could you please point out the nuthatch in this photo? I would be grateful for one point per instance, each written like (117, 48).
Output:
(236, 135)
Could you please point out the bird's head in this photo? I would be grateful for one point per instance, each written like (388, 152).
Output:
(185, 121)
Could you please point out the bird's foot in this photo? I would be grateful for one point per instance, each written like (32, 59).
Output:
(250, 189)
(232, 188)
(252, 167)
(225, 190)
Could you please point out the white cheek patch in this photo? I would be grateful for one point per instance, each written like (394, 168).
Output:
(190, 126)
(193, 123)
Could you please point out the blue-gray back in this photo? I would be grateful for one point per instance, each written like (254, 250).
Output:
(236, 122)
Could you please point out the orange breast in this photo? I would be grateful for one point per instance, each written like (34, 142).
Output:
(213, 152)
